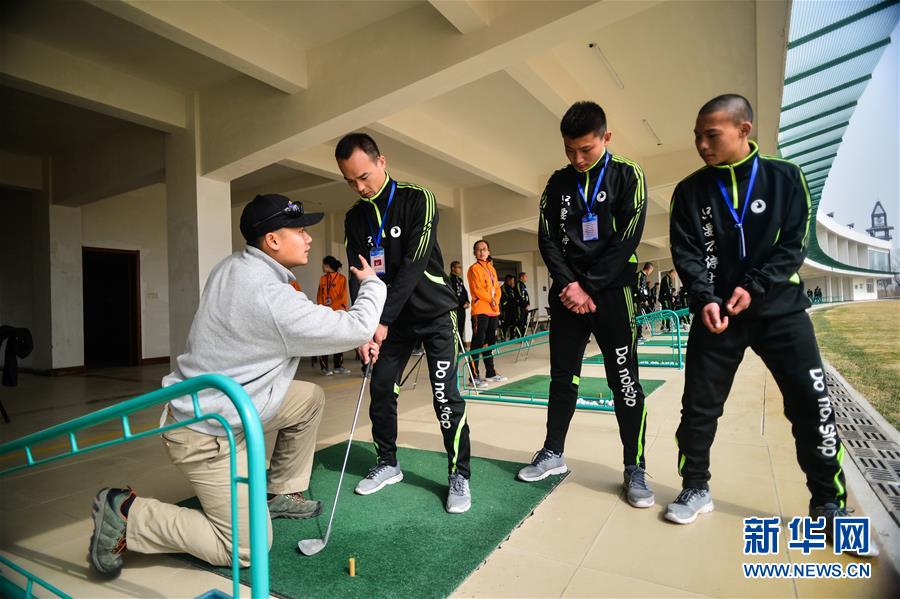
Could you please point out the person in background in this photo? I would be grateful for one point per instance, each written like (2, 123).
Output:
(524, 302)
(462, 297)
(333, 293)
(484, 287)
(509, 308)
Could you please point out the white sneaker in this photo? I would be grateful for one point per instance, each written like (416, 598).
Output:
(326, 372)
(341, 370)
(497, 378)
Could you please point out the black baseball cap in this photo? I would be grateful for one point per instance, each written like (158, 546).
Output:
(272, 211)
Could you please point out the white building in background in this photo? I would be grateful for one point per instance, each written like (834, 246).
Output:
(848, 263)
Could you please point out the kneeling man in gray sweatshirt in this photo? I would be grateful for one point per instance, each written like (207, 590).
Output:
(253, 324)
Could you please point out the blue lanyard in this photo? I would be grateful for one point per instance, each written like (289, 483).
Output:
(739, 223)
(383, 220)
(589, 207)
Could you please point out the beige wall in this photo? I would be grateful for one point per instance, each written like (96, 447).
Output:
(137, 221)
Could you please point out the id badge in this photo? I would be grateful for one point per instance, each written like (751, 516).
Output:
(589, 228)
(376, 259)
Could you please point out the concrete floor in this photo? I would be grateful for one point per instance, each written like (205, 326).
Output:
(584, 540)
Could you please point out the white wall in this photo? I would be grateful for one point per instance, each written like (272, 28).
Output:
(137, 221)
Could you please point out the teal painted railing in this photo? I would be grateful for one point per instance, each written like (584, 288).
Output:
(470, 392)
(255, 479)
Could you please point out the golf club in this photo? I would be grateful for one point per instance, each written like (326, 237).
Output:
(462, 346)
(313, 546)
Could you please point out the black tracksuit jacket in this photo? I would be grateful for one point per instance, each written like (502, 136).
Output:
(705, 241)
(417, 288)
(621, 208)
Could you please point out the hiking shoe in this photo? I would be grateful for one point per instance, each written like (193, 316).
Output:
(341, 370)
(459, 499)
(379, 475)
(294, 506)
(637, 491)
(496, 378)
(544, 463)
(689, 503)
(108, 538)
(830, 511)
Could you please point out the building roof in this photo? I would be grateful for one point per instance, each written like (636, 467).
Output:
(833, 48)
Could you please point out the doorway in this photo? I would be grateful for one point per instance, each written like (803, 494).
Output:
(112, 307)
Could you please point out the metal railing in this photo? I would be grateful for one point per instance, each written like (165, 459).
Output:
(255, 479)
(470, 392)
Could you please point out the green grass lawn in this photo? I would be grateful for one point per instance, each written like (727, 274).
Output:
(863, 342)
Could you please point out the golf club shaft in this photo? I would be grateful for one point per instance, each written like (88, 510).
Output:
(337, 493)
(466, 358)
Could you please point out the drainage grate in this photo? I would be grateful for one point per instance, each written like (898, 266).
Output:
(877, 458)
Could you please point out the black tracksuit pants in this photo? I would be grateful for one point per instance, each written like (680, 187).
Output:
(484, 332)
(438, 337)
(787, 346)
(613, 325)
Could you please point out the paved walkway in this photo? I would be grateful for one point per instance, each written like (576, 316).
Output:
(584, 540)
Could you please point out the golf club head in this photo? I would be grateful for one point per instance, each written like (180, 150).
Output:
(310, 546)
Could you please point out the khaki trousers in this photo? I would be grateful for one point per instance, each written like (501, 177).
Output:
(157, 527)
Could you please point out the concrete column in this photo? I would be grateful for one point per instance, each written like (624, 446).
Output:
(58, 315)
(198, 214)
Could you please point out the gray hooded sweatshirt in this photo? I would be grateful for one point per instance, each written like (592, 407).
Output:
(254, 327)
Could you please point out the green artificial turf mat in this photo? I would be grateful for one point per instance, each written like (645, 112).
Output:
(539, 384)
(404, 543)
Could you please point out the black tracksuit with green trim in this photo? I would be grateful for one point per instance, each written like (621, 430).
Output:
(606, 269)
(420, 306)
(706, 250)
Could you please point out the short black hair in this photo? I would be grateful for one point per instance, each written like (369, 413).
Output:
(455, 263)
(332, 262)
(509, 278)
(523, 274)
(646, 264)
(353, 141)
(734, 104)
(484, 241)
(582, 118)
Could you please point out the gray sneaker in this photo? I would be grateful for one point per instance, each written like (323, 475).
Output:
(830, 511)
(497, 378)
(480, 383)
(108, 538)
(689, 503)
(637, 491)
(380, 475)
(294, 506)
(544, 463)
(459, 499)
(341, 370)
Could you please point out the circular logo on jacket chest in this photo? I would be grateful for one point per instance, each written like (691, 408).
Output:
(601, 197)
(395, 232)
(758, 206)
